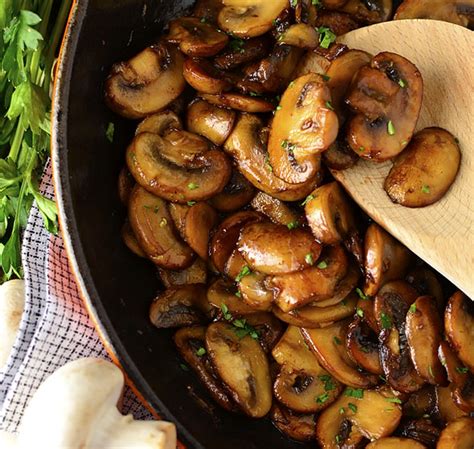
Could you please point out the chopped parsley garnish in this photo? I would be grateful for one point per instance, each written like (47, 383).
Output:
(361, 294)
(353, 407)
(193, 186)
(329, 105)
(430, 370)
(462, 369)
(110, 131)
(361, 149)
(394, 400)
(341, 411)
(322, 265)
(360, 312)
(225, 312)
(309, 259)
(291, 84)
(243, 329)
(203, 20)
(191, 203)
(293, 3)
(325, 77)
(316, 3)
(278, 107)
(412, 308)
(357, 393)
(245, 271)
(307, 200)
(201, 351)
(237, 45)
(326, 37)
(328, 382)
(385, 320)
(184, 367)
(338, 439)
(292, 225)
(402, 83)
(268, 164)
(425, 189)
(322, 398)
(238, 294)
(390, 128)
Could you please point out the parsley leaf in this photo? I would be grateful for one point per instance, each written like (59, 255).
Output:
(326, 37)
(357, 393)
(245, 271)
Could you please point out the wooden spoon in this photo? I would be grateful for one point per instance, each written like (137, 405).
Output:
(441, 234)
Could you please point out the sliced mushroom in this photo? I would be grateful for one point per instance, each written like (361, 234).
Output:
(446, 407)
(339, 156)
(426, 282)
(369, 11)
(200, 220)
(244, 18)
(395, 443)
(329, 214)
(240, 52)
(424, 331)
(210, 121)
(173, 182)
(152, 226)
(179, 306)
(306, 11)
(386, 97)
(300, 35)
(366, 305)
(328, 344)
(304, 126)
(191, 342)
(254, 293)
(178, 214)
(147, 83)
(237, 193)
(131, 241)
(159, 123)
(421, 430)
(207, 10)
(196, 38)
(275, 249)
(445, 10)
(385, 259)
(195, 274)
(421, 403)
(246, 145)
(225, 238)
(363, 346)
(334, 4)
(457, 435)
(222, 294)
(204, 77)
(296, 426)
(316, 283)
(276, 210)
(338, 22)
(125, 185)
(357, 414)
(302, 384)
(268, 328)
(243, 367)
(236, 266)
(459, 325)
(425, 171)
(239, 102)
(312, 62)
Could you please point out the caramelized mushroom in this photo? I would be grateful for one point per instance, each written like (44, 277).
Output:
(182, 305)
(125, 185)
(425, 171)
(207, 10)
(239, 102)
(195, 274)
(421, 430)
(254, 293)
(459, 325)
(268, 328)
(174, 182)
(237, 193)
(200, 220)
(147, 83)
(386, 97)
(178, 214)
(395, 443)
(131, 241)
(152, 226)
(160, 123)
(246, 145)
(457, 435)
(276, 210)
(446, 407)
(196, 38)
(328, 344)
(244, 18)
(385, 259)
(296, 426)
(222, 294)
(300, 35)
(210, 121)
(275, 249)
(339, 156)
(304, 126)
(424, 330)
(191, 342)
(369, 11)
(421, 403)
(338, 22)
(426, 282)
(243, 367)
(241, 52)
(204, 77)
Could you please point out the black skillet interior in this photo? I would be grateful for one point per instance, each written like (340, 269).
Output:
(118, 285)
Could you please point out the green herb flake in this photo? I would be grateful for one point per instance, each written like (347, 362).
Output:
(316, 3)
(307, 200)
(322, 398)
(184, 367)
(110, 131)
(338, 439)
(325, 77)
(328, 382)
(412, 308)
(386, 321)
(245, 271)
(278, 108)
(430, 370)
(382, 378)
(309, 259)
(329, 105)
(353, 407)
(360, 312)
(388, 409)
(237, 45)
(291, 84)
(203, 20)
(462, 369)
(361, 294)
(201, 351)
(238, 294)
(242, 329)
(357, 393)
(402, 83)
(390, 128)
(337, 340)
(191, 203)
(292, 225)
(394, 400)
(193, 186)
(425, 189)
(293, 3)
(326, 37)
(225, 312)
(268, 164)
(361, 149)
(342, 411)
(322, 265)
(147, 207)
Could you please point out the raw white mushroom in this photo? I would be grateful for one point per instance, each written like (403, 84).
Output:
(76, 408)
(12, 303)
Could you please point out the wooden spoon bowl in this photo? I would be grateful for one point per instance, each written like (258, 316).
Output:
(441, 234)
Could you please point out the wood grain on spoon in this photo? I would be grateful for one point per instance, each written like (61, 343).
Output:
(441, 234)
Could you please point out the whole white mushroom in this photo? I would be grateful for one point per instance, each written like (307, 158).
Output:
(76, 408)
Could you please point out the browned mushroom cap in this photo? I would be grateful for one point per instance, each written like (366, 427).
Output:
(237, 193)
(159, 123)
(340, 74)
(294, 425)
(334, 4)
(366, 304)
(125, 185)
(459, 325)
(243, 367)
(195, 274)
(339, 156)
(275, 249)
(222, 294)
(313, 316)
(191, 343)
(338, 22)
(268, 328)
(424, 331)
(446, 10)
(370, 11)
(365, 413)
(446, 407)
(244, 18)
(424, 172)
(304, 126)
(225, 238)
(210, 121)
(328, 344)
(395, 443)
(173, 182)
(204, 77)
(147, 83)
(329, 214)
(316, 283)
(239, 102)
(207, 10)
(276, 210)
(182, 305)
(152, 225)
(426, 282)
(178, 214)
(131, 241)
(386, 97)
(385, 259)
(302, 384)
(457, 435)
(300, 35)
(363, 346)
(196, 38)
(254, 293)
(420, 403)
(421, 430)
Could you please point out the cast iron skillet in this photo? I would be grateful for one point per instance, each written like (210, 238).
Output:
(118, 286)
